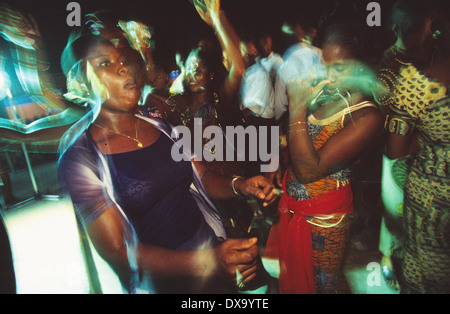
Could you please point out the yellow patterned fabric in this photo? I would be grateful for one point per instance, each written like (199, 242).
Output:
(424, 103)
(388, 74)
(424, 100)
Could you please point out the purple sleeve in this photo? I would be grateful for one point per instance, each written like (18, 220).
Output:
(79, 173)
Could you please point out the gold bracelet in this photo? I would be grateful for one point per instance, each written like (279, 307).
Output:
(298, 122)
(298, 131)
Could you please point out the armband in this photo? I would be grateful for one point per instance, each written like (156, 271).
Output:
(400, 127)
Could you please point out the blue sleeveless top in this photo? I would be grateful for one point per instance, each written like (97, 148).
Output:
(153, 190)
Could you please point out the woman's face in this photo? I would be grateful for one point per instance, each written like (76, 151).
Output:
(119, 80)
(198, 77)
(249, 53)
(340, 64)
(419, 36)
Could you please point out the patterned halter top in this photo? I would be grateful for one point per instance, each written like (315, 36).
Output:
(321, 130)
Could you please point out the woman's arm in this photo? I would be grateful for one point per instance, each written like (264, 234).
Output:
(106, 226)
(402, 138)
(401, 145)
(229, 42)
(106, 233)
(340, 151)
(219, 187)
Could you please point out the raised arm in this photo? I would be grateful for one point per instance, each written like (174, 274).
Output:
(139, 38)
(229, 42)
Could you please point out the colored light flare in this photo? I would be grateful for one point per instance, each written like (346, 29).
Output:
(5, 85)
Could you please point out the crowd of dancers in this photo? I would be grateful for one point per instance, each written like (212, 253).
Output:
(169, 226)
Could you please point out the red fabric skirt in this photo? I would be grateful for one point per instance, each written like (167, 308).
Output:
(290, 238)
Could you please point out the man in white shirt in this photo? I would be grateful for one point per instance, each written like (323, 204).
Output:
(269, 59)
(302, 60)
(257, 97)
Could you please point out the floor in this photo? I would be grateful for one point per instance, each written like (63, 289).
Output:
(48, 258)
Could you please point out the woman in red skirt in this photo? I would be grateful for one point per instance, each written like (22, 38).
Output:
(330, 126)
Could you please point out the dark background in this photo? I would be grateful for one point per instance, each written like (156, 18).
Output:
(177, 25)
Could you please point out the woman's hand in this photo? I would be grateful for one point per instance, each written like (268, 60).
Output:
(212, 14)
(258, 186)
(212, 10)
(238, 256)
(301, 93)
(138, 35)
(276, 177)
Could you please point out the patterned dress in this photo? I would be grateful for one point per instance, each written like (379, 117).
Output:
(423, 104)
(326, 206)
(391, 230)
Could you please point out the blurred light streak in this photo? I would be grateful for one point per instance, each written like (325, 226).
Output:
(5, 84)
(47, 255)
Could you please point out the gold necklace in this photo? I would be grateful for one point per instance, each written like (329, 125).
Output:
(139, 143)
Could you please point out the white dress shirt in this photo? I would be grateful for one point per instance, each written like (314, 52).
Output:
(257, 92)
(301, 61)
